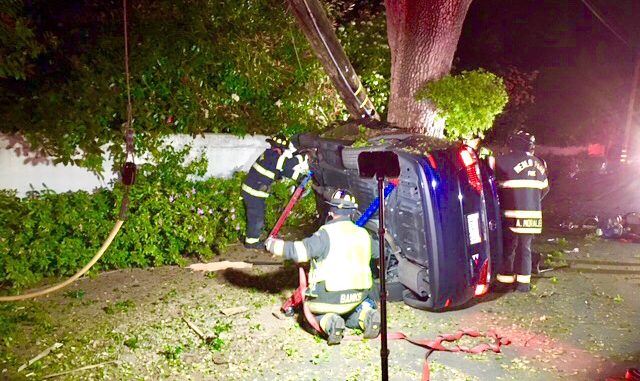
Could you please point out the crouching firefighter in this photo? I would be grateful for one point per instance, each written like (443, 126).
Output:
(340, 279)
(280, 160)
(522, 182)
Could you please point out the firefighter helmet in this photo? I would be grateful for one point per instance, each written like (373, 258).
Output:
(343, 199)
(279, 141)
(522, 141)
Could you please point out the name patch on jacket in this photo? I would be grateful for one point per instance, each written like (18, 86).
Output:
(529, 163)
(529, 222)
(350, 298)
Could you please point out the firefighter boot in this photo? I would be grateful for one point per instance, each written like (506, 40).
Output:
(372, 323)
(523, 287)
(334, 327)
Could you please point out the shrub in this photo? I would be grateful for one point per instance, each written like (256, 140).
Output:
(469, 102)
(49, 234)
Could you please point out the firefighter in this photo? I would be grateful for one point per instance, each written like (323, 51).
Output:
(278, 161)
(522, 182)
(340, 279)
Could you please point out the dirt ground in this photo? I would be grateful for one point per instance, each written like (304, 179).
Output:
(575, 325)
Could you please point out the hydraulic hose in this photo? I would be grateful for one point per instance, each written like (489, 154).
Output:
(96, 257)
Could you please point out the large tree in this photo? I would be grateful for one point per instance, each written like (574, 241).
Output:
(423, 36)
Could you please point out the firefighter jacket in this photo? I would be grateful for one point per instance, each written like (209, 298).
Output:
(272, 165)
(340, 274)
(522, 182)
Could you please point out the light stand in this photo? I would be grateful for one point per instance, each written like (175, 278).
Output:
(381, 164)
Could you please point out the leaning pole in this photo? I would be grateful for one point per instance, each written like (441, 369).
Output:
(315, 24)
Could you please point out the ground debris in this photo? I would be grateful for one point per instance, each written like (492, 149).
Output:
(218, 266)
(40, 355)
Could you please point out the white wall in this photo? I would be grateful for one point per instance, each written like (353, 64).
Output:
(226, 154)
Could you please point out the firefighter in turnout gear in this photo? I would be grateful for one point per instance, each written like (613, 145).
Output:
(278, 161)
(522, 182)
(340, 278)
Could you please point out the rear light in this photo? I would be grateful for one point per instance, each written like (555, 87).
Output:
(432, 161)
(469, 161)
(485, 278)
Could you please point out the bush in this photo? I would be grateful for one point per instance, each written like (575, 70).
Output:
(239, 67)
(49, 234)
(469, 102)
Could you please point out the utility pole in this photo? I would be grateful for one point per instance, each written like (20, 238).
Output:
(633, 112)
(316, 26)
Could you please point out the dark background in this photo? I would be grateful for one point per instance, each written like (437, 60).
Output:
(585, 71)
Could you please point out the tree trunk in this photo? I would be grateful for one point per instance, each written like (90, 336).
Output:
(423, 36)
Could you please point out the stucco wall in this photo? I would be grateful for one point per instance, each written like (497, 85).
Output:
(226, 154)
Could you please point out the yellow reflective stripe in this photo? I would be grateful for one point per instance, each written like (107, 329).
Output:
(366, 99)
(522, 213)
(531, 184)
(287, 154)
(251, 240)
(359, 88)
(523, 278)
(263, 171)
(254, 192)
(301, 251)
(506, 278)
(323, 308)
(526, 230)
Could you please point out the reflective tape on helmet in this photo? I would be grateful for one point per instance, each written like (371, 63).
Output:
(254, 192)
(522, 213)
(263, 171)
(531, 184)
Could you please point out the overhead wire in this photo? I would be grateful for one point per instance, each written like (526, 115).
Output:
(595, 12)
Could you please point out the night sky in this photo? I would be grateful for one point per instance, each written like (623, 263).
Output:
(585, 70)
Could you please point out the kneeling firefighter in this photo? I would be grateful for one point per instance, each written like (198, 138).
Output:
(522, 182)
(340, 279)
(281, 160)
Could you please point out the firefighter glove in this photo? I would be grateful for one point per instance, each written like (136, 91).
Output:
(275, 246)
(303, 165)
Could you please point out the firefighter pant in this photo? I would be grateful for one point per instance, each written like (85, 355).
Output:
(255, 207)
(517, 256)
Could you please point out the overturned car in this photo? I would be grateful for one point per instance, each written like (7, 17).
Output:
(443, 225)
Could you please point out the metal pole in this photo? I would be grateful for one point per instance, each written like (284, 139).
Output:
(631, 110)
(384, 351)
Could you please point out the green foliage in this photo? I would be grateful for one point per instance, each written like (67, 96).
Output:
(196, 66)
(18, 43)
(131, 342)
(171, 215)
(365, 43)
(172, 353)
(215, 342)
(469, 102)
(121, 306)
